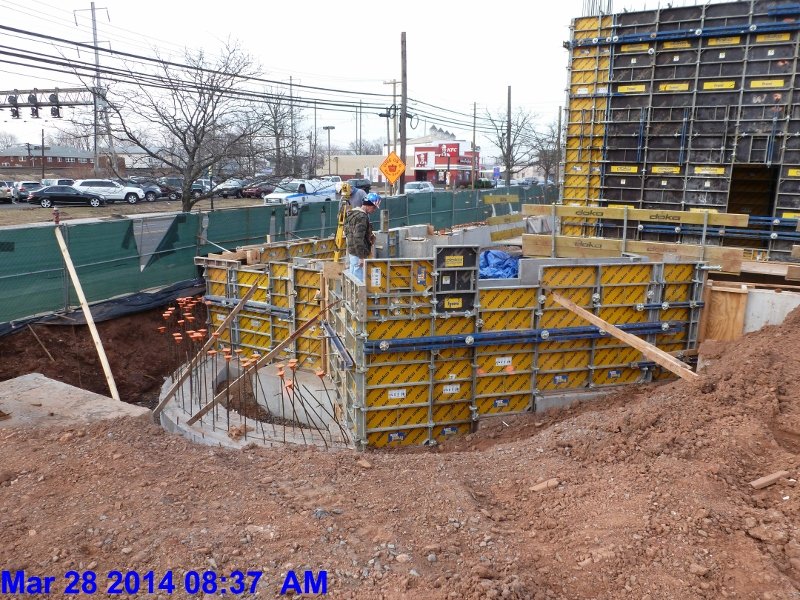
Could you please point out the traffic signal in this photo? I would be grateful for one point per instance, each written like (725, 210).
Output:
(55, 110)
(12, 100)
(34, 102)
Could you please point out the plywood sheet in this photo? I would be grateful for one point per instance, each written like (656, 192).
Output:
(724, 313)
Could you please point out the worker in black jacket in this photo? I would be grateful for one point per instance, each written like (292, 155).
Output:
(360, 238)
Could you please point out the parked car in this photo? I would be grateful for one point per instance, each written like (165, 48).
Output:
(419, 187)
(231, 187)
(6, 191)
(63, 194)
(483, 183)
(47, 182)
(335, 180)
(23, 188)
(259, 189)
(172, 188)
(152, 191)
(299, 192)
(110, 190)
(364, 184)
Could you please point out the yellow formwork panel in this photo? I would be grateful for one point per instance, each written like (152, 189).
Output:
(415, 436)
(564, 361)
(678, 340)
(568, 380)
(557, 319)
(569, 277)
(616, 356)
(503, 404)
(280, 329)
(619, 315)
(300, 249)
(624, 294)
(398, 395)
(324, 246)
(398, 329)
(399, 306)
(307, 284)
(617, 376)
(217, 316)
(305, 312)
(392, 417)
(594, 26)
(677, 293)
(384, 276)
(254, 330)
(672, 347)
(487, 385)
(452, 370)
(580, 296)
(247, 279)
(507, 320)
(396, 358)
(508, 358)
(278, 269)
(441, 433)
(675, 314)
(451, 391)
(216, 281)
(452, 413)
(505, 298)
(660, 374)
(679, 273)
(276, 253)
(398, 374)
(310, 344)
(626, 274)
(453, 326)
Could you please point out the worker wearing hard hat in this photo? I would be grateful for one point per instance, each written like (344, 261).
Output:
(360, 237)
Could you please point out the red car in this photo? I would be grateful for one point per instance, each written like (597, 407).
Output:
(260, 189)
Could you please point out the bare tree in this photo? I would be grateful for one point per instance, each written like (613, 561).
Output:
(190, 118)
(546, 154)
(522, 139)
(367, 148)
(72, 134)
(7, 139)
(279, 130)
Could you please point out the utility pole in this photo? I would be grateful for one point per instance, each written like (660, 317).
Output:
(558, 151)
(403, 107)
(314, 158)
(328, 129)
(393, 83)
(291, 128)
(42, 153)
(96, 90)
(508, 140)
(360, 128)
(474, 147)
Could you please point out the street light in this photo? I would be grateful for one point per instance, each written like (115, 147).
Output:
(328, 129)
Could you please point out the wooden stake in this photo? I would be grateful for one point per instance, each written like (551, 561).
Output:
(41, 344)
(234, 385)
(655, 354)
(206, 347)
(87, 313)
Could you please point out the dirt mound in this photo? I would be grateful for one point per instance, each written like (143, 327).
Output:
(644, 494)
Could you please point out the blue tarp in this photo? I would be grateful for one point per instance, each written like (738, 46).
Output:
(496, 264)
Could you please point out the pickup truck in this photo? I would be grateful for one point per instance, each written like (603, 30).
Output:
(299, 192)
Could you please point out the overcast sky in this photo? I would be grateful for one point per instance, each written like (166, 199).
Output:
(456, 55)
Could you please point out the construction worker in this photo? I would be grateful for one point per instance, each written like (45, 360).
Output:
(357, 196)
(360, 237)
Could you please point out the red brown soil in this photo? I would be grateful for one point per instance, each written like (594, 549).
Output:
(653, 500)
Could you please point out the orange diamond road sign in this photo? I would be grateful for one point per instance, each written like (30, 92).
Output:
(393, 167)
